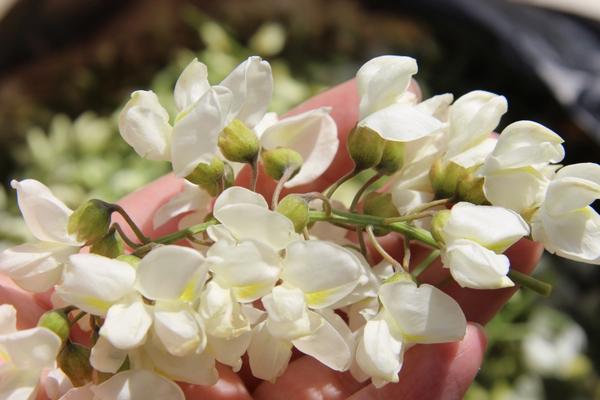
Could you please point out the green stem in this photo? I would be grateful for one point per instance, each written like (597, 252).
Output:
(386, 256)
(426, 263)
(339, 182)
(192, 230)
(136, 230)
(362, 190)
(287, 174)
(254, 179)
(427, 206)
(530, 282)
(409, 217)
(79, 315)
(125, 238)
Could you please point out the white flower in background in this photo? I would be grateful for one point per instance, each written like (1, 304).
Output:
(516, 172)
(385, 104)
(23, 356)
(313, 134)
(129, 385)
(473, 237)
(408, 315)
(472, 119)
(565, 223)
(204, 111)
(316, 277)
(38, 266)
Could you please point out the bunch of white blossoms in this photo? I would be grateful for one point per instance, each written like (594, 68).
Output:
(245, 274)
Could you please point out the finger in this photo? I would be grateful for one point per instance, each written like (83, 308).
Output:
(229, 387)
(434, 372)
(29, 310)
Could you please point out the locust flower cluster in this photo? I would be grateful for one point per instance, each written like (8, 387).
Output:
(255, 276)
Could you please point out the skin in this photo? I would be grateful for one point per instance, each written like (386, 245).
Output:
(441, 371)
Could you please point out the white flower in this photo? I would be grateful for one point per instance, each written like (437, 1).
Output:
(474, 236)
(385, 103)
(516, 170)
(408, 315)
(23, 356)
(565, 223)
(38, 266)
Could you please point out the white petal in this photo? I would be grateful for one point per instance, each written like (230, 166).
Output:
(423, 314)
(331, 343)
(196, 368)
(517, 189)
(56, 384)
(574, 235)
(144, 125)
(196, 131)
(191, 198)
(137, 385)
(221, 312)
(191, 84)
(239, 195)
(414, 122)
(324, 271)
(574, 187)
(472, 118)
(493, 227)
(34, 348)
(167, 271)
(249, 221)
(251, 83)
(230, 351)
(474, 266)
(437, 106)
(378, 353)
(313, 134)
(80, 393)
(288, 316)
(407, 200)
(127, 323)
(476, 154)
(8, 319)
(268, 120)
(268, 356)
(381, 80)
(45, 215)
(93, 283)
(105, 357)
(523, 144)
(250, 268)
(177, 328)
(36, 267)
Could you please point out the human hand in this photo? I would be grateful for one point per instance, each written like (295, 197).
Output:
(442, 371)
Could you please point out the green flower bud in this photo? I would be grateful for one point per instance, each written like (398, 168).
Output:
(277, 161)
(365, 147)
(57, 321)
(296, 209)
(74, 360)
(392, 158)
(110, 246)
(130, 259)
(438, 222)
(238, 143)
(380, 205)
(209, 176)
(444, 178)
(470, 188)
(91, 221)
(228, 176)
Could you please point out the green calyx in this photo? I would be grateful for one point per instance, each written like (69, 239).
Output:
(296, 209)
(366, 147)
(212, 177)
(238, 143)
(438, 223)
(110, 246)
(91, 221)
(392, 158)
(57, 321)
(278, 161)
(380, 205)
(74, 360)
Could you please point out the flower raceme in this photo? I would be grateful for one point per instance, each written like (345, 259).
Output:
(261, 276)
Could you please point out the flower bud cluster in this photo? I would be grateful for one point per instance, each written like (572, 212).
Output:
(260, 277)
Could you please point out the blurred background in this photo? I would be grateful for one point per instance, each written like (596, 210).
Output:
(67, 66)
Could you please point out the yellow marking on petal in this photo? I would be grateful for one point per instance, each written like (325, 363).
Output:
(189, 292)
(315, 299)
(4, 357)
(96, 303)
(243, 293)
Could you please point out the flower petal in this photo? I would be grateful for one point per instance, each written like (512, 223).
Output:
(105, 357)
(34, 348)
(45, 215)
(414, 122)
(382, 80)
(137, 385)
(191, 84)
(167, 271)
(574, 187)
(474, 266)
(144, 125)
(251, 83)
(422, 314)
(196, 131)
(127, 323)
(8, 319)
(268, 356)
(239, 195)
(221, 313)
(230, 351)
(288, 316)
(501, 186)
(313, 134)
(177, 328)
(324, 271)
(93, 283)
(191, 198)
